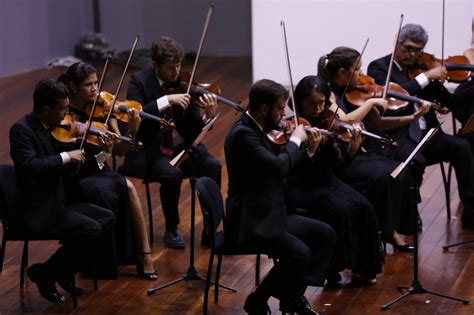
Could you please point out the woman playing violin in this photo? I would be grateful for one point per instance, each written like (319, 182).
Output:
(107, 187)
(312, 185)
(148, 87)
(369, 172)
(442, 147)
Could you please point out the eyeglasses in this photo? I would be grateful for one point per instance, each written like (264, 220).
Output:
(410, 49)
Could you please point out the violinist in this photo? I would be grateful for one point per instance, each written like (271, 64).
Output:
(427, 85)
(369, 173)
(313, 185)
(107, 187)
(161, 144)
(256, 205)
(465, 92)
(43, 181)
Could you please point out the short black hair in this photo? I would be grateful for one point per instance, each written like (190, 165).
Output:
(48, 92)
(165, 49)
(266, 92)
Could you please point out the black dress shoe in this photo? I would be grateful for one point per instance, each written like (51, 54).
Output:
(46, 287)
(173, 239)
(298, 305)
(405, 248)
(255, 306)
(67, 286)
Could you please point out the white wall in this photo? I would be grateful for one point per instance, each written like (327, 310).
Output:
(315, 27)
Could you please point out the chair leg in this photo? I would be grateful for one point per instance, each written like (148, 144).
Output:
(218, 275)
(2, 251)
(94, 275)
(447, 188)
(73, 294)
(150, 212)
(257, 270)
(24, 264)
(208, 283)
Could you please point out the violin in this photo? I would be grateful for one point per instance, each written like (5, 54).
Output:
(397, 97)
(70, 131)
(459, 67)
(104, 103)
(286, 128)
(197, 89)
(328, 119)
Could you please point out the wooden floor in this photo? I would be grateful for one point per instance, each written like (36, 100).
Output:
(449, 272)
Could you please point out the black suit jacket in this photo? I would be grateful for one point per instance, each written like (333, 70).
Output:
(144, 88)
(255, 203)
(41, 175)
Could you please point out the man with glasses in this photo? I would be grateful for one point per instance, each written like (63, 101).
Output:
(427, 85)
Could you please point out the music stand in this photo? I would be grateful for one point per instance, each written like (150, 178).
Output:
(191, 273)
(416, 287)
(468, 127)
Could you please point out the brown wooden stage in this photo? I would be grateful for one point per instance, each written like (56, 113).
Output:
(450, 272)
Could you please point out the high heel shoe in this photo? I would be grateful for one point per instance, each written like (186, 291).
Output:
(140, 270)
(402, 248)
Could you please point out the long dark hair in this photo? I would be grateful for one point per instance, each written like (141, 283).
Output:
(306, 86)
(76, 73)
(340, 57)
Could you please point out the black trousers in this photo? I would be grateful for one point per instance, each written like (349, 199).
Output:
(446, 148)
(82, 226)
(303, 252)
(158, 168)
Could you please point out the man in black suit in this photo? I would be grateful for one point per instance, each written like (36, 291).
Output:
(256, 211)
(42, 180)
(151, 88)
(427, 85)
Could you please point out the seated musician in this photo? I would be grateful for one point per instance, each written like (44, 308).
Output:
(312, 185)
(369, 173)
(427, 85)
(149, 87)
(256, 211)
(108, 188)
(43, 178)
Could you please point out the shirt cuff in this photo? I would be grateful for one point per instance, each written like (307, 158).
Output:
(422, 80)
(101, 157)
(163, 103)
(65, 157)
(295, 140)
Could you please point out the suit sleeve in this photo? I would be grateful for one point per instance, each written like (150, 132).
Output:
(378, 70)
(24, 155)
(136, 92)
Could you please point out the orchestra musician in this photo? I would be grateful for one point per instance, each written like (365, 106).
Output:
(427, 85)
(161, 144)
(106, 187)
(369, 173)
(43, 180)
(312, 185)
(256, 207)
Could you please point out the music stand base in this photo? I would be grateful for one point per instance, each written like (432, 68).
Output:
(417, 288)
(191, 274)
(445, 247)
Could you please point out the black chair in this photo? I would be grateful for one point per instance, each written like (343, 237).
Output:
(446, 175)
(212, 207)
(13, 230)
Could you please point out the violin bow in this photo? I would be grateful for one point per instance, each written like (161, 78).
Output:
(114, 100)
(201, 44)
(349, 82)
(442, 34)
(390, 65)
(288, 68)
(94, 105)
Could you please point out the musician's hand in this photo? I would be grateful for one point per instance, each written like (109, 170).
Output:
(314, 139)
(181, 100)
(209, 103)
(77, 157)
(356, 140)
(107, 139)
(439, 73)
(133, 121)
(300, 133)
(423, 110)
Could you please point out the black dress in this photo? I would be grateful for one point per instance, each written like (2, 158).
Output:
(108, 189)
(312, 185)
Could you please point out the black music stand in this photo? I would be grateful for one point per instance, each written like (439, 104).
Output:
(416, 287)
(191, 273)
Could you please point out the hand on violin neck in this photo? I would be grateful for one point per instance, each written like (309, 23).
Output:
(181, 100)
(208, 103)
(299, 133)
(133, 121)
(314, 139)
(356, 140)
(108, 139)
